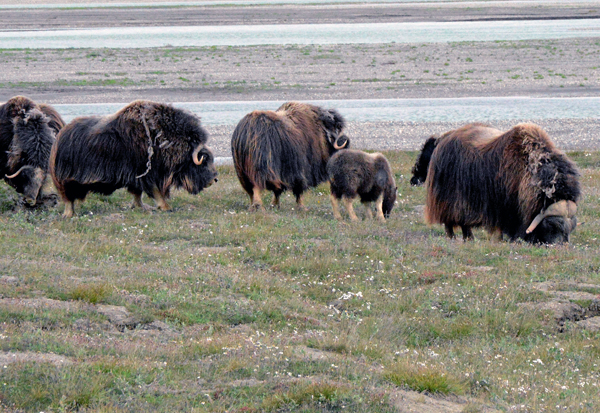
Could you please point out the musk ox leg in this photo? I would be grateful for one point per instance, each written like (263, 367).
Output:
(467, 233)
(137, 202)
(336, 207)
(256, 200)
(299, 202)
(276, 195)
(449, 230)
(348, 204)
(379, 205)
(160, 200)
(69, 209)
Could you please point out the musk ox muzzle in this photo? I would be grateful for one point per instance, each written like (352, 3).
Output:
(28, 181)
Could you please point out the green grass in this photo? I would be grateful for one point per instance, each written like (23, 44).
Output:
(287, 310)
(424, 379)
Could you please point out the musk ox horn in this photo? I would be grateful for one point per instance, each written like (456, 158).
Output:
(195, 155)
(16, 173)
(563, 208)
(335, 143)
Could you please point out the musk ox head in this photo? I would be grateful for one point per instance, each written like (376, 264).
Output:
(28, 181)
(419, 170)
(198, 174)
(389, 199)
(333, 124)
(17, 106)
(29, 154)
(554, 224)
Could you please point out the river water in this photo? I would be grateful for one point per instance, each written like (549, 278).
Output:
(380, 110)
(91, 4)
(241, 35)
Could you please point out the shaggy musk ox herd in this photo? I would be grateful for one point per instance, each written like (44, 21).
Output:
(515, 183)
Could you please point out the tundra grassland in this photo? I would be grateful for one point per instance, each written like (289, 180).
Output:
(226, 310)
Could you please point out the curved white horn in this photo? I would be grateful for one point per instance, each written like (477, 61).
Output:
(563, 208)
(16, 173)
(336, 146)
(195, 155)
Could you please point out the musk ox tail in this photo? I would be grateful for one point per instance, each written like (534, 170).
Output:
(258, 145)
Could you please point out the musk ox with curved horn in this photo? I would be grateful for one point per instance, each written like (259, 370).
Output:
(354, 174)
(146, 147)
(285, 149)
(27, 132)
(515, 183)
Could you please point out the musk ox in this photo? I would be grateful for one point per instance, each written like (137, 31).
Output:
(419, 170)
(146, 147)
(27, 132)
(515, 183)
(353, 174)
(285, 149)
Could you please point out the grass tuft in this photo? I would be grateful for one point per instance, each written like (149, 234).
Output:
(421, 378)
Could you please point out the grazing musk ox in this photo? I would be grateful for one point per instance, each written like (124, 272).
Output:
(27, 132)
(146, 147)
(285, 149)
(515, 183)
(353, 174)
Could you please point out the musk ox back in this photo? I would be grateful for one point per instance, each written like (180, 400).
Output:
(515, 183)
(27, 132)
(285, 149)
(353, 174)
(146, 147)
(421, 166)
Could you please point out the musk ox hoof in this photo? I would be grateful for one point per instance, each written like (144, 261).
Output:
(256, 208)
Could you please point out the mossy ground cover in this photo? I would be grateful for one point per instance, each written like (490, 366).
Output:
(287, 310)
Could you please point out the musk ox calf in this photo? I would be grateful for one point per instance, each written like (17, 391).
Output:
(27, 132)
(355, 174)
(515, 183)
(285, 149)
(146, 147)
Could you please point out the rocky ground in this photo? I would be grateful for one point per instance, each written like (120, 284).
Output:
(548, 68)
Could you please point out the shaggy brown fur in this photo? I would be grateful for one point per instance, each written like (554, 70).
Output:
(103, 154)
(481, 177)
(354, 174)
(27, 131)
(285, 149)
